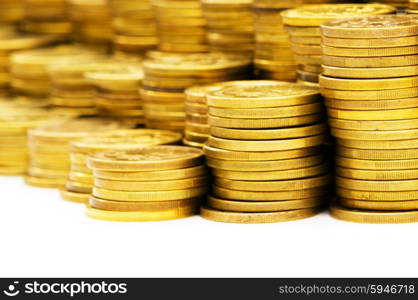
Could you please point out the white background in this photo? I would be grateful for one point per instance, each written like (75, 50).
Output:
(42, 235)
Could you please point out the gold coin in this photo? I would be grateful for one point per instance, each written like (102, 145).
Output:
(376, 185)
(369, 52)
(377, 175)
(302, 49)
(367, 84)
(377, 196)
(389, 72)
(153, 158)
(192, 144)
(149, 196)
(78, 187)
(12, 171)
(388, 145)
(370, 62)
(377, 154)
(74, 197)
(141, 216)
(373, 217)
(366, 164)
(374, 135)
(370, 42)
(370, 95)
(305, 31)
(44, 182)
(379, 205)
(86, 178)
(360, 125)
(253, 217)
(371, 105)
(379, 115)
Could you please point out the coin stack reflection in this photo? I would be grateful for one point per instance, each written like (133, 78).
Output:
(229, 25)
(370, 82)
(265, 151)
(303, 23)
(49, 149)
(147, 184)
(80, 182)
(168, 75)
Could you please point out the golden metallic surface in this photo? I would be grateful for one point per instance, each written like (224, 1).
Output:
(377, 196)
(369, 52)
(376, 154)
(378, 174)
(74, 197)
(361, 125)
(367, 84)
(393, 114)
(370, 95)
(367, 164)
(350, 43)
(379, 205)
(388, 145)
(370, 104)
(45, 182)
(375, 135)
(370, 62)
(376, 185)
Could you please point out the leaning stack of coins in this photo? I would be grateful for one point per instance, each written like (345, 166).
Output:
(181, 26)
(49, 149)
(147, 184)
(303, 26)
(80, 181)
(265, 151)
(370, 81)
(168, 75)
(92, 21)
(11, 11)
(229, 25)
(412, 7)
(117, 91)
(46, 16)
(134, 27)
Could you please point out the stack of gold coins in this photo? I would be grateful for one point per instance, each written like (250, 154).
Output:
(229, 25)
(181, 26)
(80, 182)
(134, 27)
(399, 4)
(265, 151)
(117, 91)
(413, 7)
(168, 75)
(92, 21)
(49, 157)
(303, 23)
(11, 11)
(46, 16)
(370, 82)
(147, 184)
(29, 75)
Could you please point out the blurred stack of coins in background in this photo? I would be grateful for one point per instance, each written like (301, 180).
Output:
(49, 153)
(229, 26)
(265, 151)
(11, 11)
(147, 184)
(80, 181)
(46, 16)
(92, 22)
(168, 75)
(181, 26)
(303, 23)
(135, 30)
(412, 7)
(117, 91)
(399, 4)
(370, 82)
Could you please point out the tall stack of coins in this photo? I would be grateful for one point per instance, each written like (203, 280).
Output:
(46, 16)
(181, 25)
(134, 27)
(49, 149)
(11, 11)
(265, 151)
(370, 81)
(92, 21)
(117, 91)
(168, 75)
(147, 184)
(303, 23)
(229, 25)
(413, 7)
(80, 182)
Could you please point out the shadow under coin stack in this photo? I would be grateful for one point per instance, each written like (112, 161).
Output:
(80, 182)
(412, 7)
(229, 26)
(265, 151)
(49, 151)
(135, 29)
(181, 26)
(303, 23)
(117, 91)
(147, 184)
(46, 16)
(371, 88)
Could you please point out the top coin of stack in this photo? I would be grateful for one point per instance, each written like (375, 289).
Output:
(370, 82)
(265, 152)
(229, 25)
(303, 26)
(134, 26)
(181, 25)
(147, 184)
(11, 11)
(168, 75)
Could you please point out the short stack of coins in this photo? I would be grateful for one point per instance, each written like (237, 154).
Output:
(46, 16)
(370, 82)
(117, 91)
(265, 151)
(303, 23)
(412, 7)
(80, 182)
(147, 184)
(11, 11)
(181, 26)
(92, 22)
(229, 25)
(168, 75)
(49, 154)
(135, 29)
